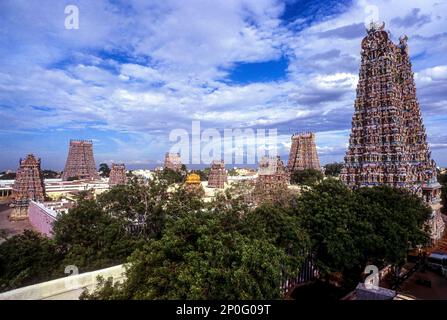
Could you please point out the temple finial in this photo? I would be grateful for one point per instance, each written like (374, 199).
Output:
(375, 26)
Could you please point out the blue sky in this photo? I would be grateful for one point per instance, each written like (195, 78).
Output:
(137, 69)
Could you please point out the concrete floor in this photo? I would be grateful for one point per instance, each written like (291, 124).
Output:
(11, 227)
(438, 290)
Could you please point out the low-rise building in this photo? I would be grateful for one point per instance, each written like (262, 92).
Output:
(42, 215)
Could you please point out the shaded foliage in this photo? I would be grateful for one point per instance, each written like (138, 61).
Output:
(333, 169)
(186, 248)
(91, 239)
(349, 229)
(206, 255)
(50, 174)
(307, 177)
(8, 176)
(204, 174)
(27, 258)
(104, 170)
(172, 176)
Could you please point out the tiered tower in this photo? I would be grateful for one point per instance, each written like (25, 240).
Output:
(218, 175)
(173, 161)
(272, 180)
(388, 143)
(28, 185)
(117, 174)
(303, 152)
(80, 161)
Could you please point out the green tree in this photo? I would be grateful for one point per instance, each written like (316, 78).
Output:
(349, 229)
(328, 215)
(50, 174)
(333, 169)
(171, 176)
(307, 177)
(281, 227)
(197, 259)
(393, 219)
(26, 259)
(104, 170)
(137, 203)
(204, 174)
(92, 239)
(8, 176)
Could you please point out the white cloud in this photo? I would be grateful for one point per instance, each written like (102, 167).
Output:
(159, 65)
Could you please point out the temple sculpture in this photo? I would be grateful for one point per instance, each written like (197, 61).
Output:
(218, 175)
(273, 180)
(173, 161)
(117, 174)
(80, 163)
(303, 152)
(28, 185)
(388, 143)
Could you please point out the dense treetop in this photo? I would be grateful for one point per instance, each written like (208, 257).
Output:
(178, 246)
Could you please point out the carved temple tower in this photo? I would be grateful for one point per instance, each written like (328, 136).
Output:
(388, 144)
(173, 161)
(273, 179)
(303, 152)
(28, 185)
(80, 161)
(218, 175)
(117, 174)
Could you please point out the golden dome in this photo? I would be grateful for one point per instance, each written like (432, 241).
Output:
(193, 178)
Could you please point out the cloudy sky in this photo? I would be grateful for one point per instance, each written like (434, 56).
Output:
(137, 69)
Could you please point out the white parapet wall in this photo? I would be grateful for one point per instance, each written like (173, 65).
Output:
(67, 288)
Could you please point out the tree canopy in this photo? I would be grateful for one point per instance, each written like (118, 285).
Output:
(333, 169)
(178, 246)
(104, 170)
(307, 177)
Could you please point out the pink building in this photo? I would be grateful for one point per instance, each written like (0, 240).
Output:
(42, 215)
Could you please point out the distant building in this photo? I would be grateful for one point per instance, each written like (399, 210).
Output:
(273, 180)
(80, 163)
(42, 215)
(28, 185)
(303, 152)
(173, 161)
(218, 175)
(117, 175)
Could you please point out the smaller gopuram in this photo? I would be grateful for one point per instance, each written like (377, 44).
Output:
(28, 185)
(117, 174)
(303, 152)
(273, 179)
(80, 161)
(173, 161)
(218, 175)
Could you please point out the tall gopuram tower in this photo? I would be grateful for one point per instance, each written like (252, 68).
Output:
(173, 161)
(303, 152)
(272, 180)
(117, 174)
(28, 185)
(218, 175)
(80, 161)
(388, 144)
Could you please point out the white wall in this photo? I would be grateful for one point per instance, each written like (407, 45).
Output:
(67, 288)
